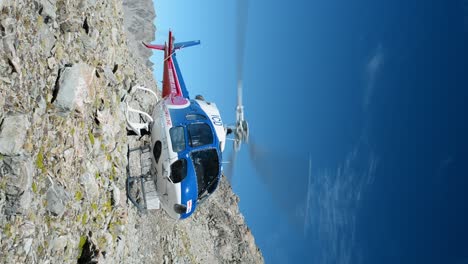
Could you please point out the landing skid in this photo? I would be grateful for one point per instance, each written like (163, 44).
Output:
(141, 188)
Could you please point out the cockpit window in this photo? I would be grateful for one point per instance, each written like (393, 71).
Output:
(195, 117)
(177, 138)
(200, 134)
(206, 164)
(178, 170)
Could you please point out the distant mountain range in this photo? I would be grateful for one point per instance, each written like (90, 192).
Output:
(139, 26)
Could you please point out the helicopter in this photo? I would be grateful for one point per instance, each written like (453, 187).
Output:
(187, 141)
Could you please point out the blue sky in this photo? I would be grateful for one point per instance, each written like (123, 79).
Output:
(374, 93)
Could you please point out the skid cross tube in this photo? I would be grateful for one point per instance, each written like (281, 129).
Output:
(142, 177)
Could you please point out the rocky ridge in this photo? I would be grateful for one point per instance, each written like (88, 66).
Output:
(139, 27)
(65, 69)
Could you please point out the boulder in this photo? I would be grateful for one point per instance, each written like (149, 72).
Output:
(89, 183)
(115, 194)
(13, 133)
(18, 172)
(74, 88)
(27, 245)
(49, 9)
(56, 200)
(47, 39)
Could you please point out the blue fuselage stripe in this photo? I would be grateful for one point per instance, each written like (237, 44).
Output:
(179, 76)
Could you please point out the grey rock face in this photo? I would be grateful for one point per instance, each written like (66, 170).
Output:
(47, 39)
(56, 200)
(2, 101)
(74, 88)
(89, 183)
(27, 245)
(17, 172)
(27, 229)
(110, 76)
(115, 195)
(48, 9)
(71, 24)
(13, 133)
(10, 29)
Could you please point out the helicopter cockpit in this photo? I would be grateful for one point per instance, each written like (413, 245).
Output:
(205, 158)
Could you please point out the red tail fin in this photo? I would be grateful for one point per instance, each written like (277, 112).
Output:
(156, 47)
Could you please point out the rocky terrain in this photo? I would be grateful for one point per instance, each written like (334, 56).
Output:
(65, 69)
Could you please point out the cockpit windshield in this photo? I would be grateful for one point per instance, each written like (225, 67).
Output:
(206, 164)
(177, 138)
(200, 134)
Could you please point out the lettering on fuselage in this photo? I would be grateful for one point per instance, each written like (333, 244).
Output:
(189, 206)
(167, 117)
(172, 82)
(216, 120)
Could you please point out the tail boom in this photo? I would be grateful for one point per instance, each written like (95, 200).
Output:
(172, 86)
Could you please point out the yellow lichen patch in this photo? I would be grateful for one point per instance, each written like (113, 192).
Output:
(78, 196)
(48, 220)
(31, 216)
(91, 137)
(40, 21)
(81, 245)
(101, 242)
(40, 160)
(59, 52)
(84, 218)
(40, 249)
(113, 173)
(3, 183)
(34, 187)
(106, 104)
(7, 230)
(98, 219)
(107, 207)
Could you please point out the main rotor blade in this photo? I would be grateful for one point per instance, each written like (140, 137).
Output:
(230, 166)
(242, 17)
(286, 177)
